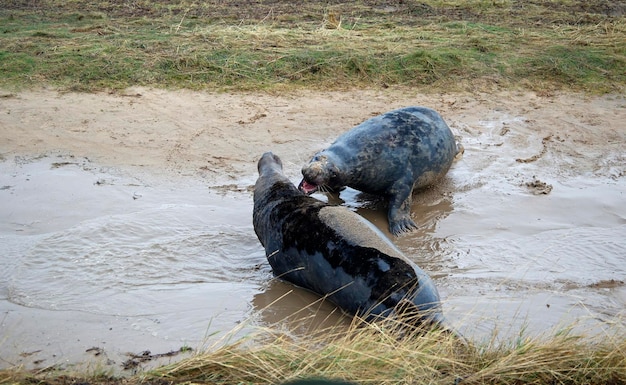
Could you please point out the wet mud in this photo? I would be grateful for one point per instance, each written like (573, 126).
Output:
(126, 222)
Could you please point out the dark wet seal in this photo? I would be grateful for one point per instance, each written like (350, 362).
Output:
(389, 155)
(336, 253)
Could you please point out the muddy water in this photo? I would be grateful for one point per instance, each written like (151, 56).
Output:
(99, 262)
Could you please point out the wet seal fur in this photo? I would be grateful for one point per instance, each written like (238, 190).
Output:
(336, 253)
(388, 155)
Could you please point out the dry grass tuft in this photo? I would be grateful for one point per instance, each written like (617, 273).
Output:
(386, 353)
(332, 20)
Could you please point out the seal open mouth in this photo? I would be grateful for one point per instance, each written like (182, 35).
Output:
(307, 187)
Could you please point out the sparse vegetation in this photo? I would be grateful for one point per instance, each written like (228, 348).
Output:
(384, 353)
(230, 45)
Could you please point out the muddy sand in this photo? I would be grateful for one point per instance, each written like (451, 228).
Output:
(126, 218)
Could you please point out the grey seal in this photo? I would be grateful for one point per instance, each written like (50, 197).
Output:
(336, 253)
(389, 155)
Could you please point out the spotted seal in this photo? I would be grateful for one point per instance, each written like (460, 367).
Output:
(336, 253)
(389, 155)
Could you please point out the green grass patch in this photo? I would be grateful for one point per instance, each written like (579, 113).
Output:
(583, 67)
(452, 45)
(16, 67)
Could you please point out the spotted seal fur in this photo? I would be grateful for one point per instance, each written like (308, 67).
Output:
(389, 155)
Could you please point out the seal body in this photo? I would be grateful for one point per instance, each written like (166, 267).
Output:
(388, 155)
(334, 252)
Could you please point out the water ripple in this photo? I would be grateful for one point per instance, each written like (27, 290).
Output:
(87, 266)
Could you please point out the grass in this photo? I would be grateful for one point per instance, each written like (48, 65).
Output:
(385, 353)
(375, 354)
(215, 45)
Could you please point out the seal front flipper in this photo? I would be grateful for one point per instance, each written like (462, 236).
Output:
(399, 214)
(400, 221)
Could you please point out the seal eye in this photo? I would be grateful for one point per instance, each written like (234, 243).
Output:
(318, 158)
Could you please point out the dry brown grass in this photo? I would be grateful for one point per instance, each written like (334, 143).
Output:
(383, 353)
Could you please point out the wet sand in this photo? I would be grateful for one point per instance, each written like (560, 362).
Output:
(127, 218)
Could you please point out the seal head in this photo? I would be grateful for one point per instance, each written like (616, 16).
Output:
(322, 174)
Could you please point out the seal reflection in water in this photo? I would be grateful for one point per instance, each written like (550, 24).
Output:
(388, 155)
(334, 252)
